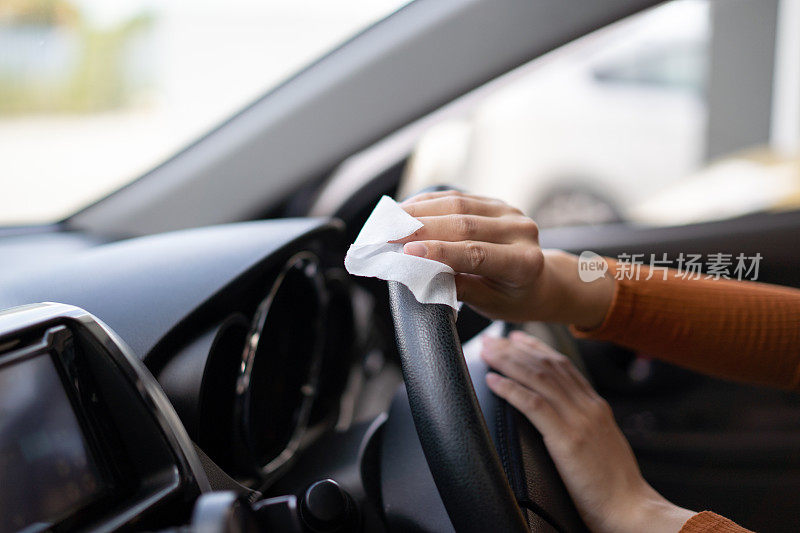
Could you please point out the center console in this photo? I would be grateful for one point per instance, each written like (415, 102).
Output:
(87, 437)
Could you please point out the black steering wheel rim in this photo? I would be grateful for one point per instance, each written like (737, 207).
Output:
(455, 439)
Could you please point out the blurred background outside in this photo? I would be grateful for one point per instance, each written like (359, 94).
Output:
(93, 93)
(688, 112)
(684, 113)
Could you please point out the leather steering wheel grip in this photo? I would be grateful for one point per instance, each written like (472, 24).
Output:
(448, 419)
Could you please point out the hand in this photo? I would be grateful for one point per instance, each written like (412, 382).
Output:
(589, 450)
(500, 269)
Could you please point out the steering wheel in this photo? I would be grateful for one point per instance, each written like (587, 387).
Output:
(471, 479)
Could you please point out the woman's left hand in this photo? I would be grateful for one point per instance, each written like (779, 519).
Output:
(588, 448)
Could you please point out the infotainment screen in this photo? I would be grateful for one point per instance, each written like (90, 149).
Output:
(46, 469)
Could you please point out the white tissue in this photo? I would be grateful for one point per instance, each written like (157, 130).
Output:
(372, 255)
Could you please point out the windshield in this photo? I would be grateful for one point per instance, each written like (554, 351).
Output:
(93, 93)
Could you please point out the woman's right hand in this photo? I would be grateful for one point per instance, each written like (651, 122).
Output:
(583, 439)
(501, 271)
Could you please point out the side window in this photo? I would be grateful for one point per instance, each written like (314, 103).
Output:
(676, 65)
(660, 119)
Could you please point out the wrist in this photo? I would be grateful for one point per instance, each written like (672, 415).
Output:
(650, 511)
(584, 304)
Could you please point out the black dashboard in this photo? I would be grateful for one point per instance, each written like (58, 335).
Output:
(248, 329)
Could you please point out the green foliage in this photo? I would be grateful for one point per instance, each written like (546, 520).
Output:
(95, 79)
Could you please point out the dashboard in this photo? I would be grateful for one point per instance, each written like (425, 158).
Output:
(229, 378)
(216, 353)
(250, 387)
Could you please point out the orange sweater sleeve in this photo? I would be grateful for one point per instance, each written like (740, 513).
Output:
(708, 522)
(739, 330)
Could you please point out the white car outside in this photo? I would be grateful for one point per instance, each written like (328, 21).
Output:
(588, 131)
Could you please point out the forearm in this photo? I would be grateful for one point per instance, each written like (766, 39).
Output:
(565, 298)
(740, 330)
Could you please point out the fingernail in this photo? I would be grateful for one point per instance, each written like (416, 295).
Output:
(415, 248)
(492, 378)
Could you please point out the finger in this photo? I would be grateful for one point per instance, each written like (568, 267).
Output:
(560, 361)
(525, 339)
(521, 367)
(534, 406)
(441, 194)
(456, 205)
(500, 262)
(475, 291)
(455, 228)
(563, 369)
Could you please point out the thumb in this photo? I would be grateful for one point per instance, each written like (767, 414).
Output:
(474, 291)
